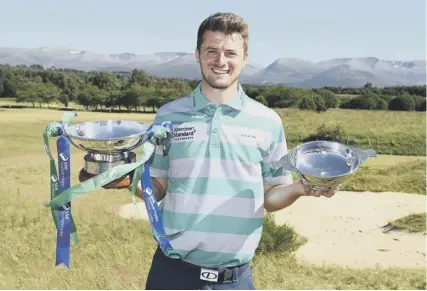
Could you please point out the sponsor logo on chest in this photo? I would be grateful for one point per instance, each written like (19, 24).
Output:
(184, 132)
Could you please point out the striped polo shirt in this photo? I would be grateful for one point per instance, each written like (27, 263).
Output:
(217, 164)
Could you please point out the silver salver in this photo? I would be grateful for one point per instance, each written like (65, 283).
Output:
(324, 164)
(109, 143)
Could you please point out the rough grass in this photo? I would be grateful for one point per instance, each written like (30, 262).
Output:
(415, 222)
(115, 253)
(388, 132)
(400, 176)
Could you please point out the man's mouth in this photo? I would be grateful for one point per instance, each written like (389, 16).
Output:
(220, 72)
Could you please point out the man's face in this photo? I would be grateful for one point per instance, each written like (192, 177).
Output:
(221, 58)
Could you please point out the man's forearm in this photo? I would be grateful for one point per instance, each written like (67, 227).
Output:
(158, 189)
(282, 196)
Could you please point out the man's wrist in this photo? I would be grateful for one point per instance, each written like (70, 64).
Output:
(298, 189)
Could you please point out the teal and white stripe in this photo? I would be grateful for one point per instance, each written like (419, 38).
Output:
(217, 165)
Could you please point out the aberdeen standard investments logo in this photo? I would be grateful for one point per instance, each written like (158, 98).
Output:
(184, 133)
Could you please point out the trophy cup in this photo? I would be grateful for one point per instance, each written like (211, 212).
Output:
(109, 143)
(109, 163)
(323, 164)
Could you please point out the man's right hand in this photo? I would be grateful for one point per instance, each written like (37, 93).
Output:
(160, 186)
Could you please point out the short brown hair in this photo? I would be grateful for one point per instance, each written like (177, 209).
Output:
(227, 23)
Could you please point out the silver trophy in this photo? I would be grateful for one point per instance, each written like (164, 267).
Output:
(109, 143)
(323, 164)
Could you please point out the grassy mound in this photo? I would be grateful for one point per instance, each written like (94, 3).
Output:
(415, 222)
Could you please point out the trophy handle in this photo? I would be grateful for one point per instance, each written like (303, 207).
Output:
(364, 154)
(285, 163)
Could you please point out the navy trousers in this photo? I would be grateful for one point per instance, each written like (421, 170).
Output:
(172, 274)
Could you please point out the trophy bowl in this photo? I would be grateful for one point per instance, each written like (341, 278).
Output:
(109, 143)
(324, 164)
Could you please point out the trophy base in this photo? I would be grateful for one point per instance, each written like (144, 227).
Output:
(97, 163)
(123, 182)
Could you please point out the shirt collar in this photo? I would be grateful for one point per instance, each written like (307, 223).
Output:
(200, 101)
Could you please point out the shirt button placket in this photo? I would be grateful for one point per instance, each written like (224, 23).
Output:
(214, 142)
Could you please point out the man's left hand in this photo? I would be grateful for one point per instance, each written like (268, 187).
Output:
(308, 191)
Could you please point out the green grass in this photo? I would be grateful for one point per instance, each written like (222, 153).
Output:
(415, 222)
(388, 132)
(12, 101)
(115, 253)
(398, 176)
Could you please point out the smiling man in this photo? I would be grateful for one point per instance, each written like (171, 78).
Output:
(215, 181)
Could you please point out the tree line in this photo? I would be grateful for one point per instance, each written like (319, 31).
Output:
(138, 90)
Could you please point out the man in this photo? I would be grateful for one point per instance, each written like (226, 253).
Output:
(215, 181)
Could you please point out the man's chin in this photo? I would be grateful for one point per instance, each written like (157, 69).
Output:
(220, 84)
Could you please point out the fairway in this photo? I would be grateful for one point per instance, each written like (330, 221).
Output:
(114, 252)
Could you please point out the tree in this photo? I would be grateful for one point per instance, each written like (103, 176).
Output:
(50, 93)
(64, 99)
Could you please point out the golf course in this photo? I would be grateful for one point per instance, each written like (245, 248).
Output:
(370, 235)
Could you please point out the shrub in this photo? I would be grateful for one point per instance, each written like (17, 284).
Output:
(421, 106)
(320, 103)
(402, 103)
(382, 104)
(307, 103)
(277, 238)
(331, 100)
(368, 101)
(324, 132)
(420, 102)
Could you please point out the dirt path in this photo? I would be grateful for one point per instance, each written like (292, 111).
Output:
(347, 230)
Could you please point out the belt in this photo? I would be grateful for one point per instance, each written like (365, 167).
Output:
(222, 275)
(207, 274)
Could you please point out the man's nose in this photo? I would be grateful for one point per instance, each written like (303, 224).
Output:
(220, 59)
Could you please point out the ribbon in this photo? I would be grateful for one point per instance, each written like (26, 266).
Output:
(62, 217)
(156, 134)
(151, 205)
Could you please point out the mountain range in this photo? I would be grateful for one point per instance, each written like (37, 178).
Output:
(294, 72)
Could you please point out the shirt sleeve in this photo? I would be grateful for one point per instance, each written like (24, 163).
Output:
(277, 149)
(159, 163)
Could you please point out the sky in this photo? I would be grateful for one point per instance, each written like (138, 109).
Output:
(314, 30)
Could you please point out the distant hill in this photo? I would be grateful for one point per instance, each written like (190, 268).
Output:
(293, 72)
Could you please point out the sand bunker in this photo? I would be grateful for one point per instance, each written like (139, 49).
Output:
(347, 230)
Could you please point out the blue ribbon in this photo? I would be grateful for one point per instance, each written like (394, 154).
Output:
(153, 210)
(64, 213)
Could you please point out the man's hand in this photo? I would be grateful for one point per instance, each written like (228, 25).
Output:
(159, 187)
(281, 196)
(308, 191)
